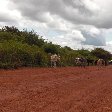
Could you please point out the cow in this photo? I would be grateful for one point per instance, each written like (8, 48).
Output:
(90, 62)
(100, 63)
(82, 62)
(55, 59)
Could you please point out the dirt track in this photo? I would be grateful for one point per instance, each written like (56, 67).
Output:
(69, 89)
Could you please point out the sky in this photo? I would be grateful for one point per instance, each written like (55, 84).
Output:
(75, 23)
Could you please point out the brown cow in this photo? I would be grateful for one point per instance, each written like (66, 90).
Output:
(100, 63)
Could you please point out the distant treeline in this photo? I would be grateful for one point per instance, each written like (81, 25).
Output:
(23, 49)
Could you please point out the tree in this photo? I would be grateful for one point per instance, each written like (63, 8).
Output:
(51, 48)
(101, 53)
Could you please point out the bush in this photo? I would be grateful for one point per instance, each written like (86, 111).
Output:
(15, 54)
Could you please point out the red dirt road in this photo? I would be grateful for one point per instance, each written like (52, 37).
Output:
(69, 89)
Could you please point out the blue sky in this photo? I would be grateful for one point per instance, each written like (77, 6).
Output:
(73, 23)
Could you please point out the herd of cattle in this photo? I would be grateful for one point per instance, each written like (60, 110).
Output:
(79, 61)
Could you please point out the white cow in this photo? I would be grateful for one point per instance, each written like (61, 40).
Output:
(54, 59)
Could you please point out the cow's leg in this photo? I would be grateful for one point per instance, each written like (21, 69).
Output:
(54, 63)
(51, 63)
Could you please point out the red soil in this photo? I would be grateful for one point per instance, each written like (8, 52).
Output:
(69, 89)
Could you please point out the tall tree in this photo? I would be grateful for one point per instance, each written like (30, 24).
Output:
(101, 53)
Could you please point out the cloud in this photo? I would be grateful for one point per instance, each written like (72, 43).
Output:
(83, 12)
(75, 23)
(3, 18)
(93, 36)
(83, 37)
(9, 17)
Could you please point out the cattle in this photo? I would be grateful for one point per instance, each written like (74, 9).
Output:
(81, 62)
(55, 60)
(90, 62)
(100, 63)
